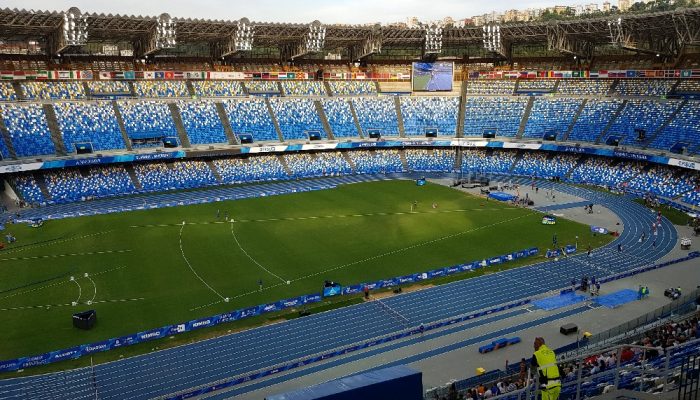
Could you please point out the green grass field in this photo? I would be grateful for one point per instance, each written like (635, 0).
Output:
(138, 278)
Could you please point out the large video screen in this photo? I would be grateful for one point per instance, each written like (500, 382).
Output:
(432, 77)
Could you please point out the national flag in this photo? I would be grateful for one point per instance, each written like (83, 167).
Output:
(7, 75)
(158, 75)
(129, 74)
(88, 75)
(149, 75)
(282, 75)
(178, 75)
(593, 74)
(686, 73)
(106, 75)
(169, 75)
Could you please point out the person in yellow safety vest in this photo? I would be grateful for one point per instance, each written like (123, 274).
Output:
(545, 361)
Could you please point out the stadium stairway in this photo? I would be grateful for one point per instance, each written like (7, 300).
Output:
(283, 161)
(605, 130)
(517, 159)
(327, 87)
(526, 116)
(6, 138)
(88, 92)
(273, 117)
(190, 88)
(458, 160)
(461, 111)
(573, 120)
(404, 162)
(177, 119)
(280, 89)
(226, 123)
(132, 90)
(214, 171)
(132, 174)
(39, 178)
(324, 119)
(556, 86)
(19, 91)
(350, 162)
(356, 120)
(399, 117)
(579, 162)
(613, 87)
(122, 127)
(664, 124)
(52, 123)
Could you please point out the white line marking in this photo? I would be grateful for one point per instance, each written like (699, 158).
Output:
(80, 290)
(90, 253)
(94, 286)
(254, 260)
(39, 245)
(68, 305)
(192, 269)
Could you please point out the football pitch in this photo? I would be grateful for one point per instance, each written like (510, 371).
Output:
(145, 269)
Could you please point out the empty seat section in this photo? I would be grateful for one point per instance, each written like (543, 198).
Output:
(218, 88)
(108, 88)
(155, 89)
(147, 119)
(539, 165)
(491, 87)
(305, 165)
(586, 87)
(476, 161)
(500, 113)
(647, 115)
(70, 185)
(27, 188)
(179, 175)
(89, 122)
(377, 113)
(339, 117)
(201, 122)
(605, 172)
(662, 181)
(352, 88)
(7, 92)
(296, 117)
(430, 160)
(439, 112)
(374, 162)
(253, 169)
(644, 87)
(551, 115)
(593, 119)
(684, 128)
(28, 130)
(303, 88)
(251, 117)
(52, 90)
(262, 87)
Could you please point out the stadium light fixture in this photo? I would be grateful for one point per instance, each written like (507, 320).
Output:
(75, 27)
(165, 32)
(433, 39)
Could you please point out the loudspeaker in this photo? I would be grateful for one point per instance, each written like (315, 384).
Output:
(613, 141)
(374, 133)
(569, 328)
(550, 135)
(431, 132)
(85, 320)
(489, 133)
(245, 138)
(83, 148)
(314, 135)
(170, 142)
(641, 134)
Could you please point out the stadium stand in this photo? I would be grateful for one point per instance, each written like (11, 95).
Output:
(156, 89)
(339, 116)
(52, 90)
(662, 181)
(89, 122)
(352, 88)
(605, 172)
(201, 122)
(303, 88)
(429, 160)
(69, 185)
(641, 114)
(587, 87)
(689, 86)
(262, 87)
(537, 85)
(306, 165)
(251, 117)
(377, 113)
(684, 127)
(540, 165)
(28, 129)
(500, 113)
(296, 117)
(218, 88)
(28, 189)
(593, 119)
(693, 197)
(98, 88)
(374, 162)
(179, 175)
(253, 169)
(423, 112)
(7, 92)
(551, 115)
(490, 87)
(644, 87)
(147, 119)
(478, 161)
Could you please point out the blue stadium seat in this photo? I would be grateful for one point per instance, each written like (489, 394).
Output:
(7, 92)
(70, 185)
(201, 122)
(539, 165)
(500, 113)
(53, 90)
(641, 114)
(377, 113)
(28, 189)
(551, 115)
(28, 129)
(156, 89)
(218, 88)
(490, 87)
(423, 112)
(179, 175)
(476, 161)
(352, 88)
(594, 117)
(253, 169)
(429, 160)
(339, 116)
(251, 117)
(684, 127)
(644, 87)
(296, 117)
(89, 122)
(147, 119)
(303, 88)
(374, 162)
(305, 165)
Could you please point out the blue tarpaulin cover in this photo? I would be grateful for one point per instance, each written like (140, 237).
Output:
(501, 196)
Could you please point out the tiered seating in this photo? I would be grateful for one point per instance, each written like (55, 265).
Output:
(303, 88)
(305, 165)
(69, 185)
(660, 180)
(506, 87)
(28, 130)
(644, 87)
(155, 89)
(262, 87)
(377, 113)
(594, 117)
(218, 88)
(7, 92)
(476, 161)
(500, 113)
(182, 175)
(339, 117)
(242, 170)
(423, 112)
(296, 117)
(693, 197)
(89, 122)
(201, 121)
(147, 119)
(374, 162)
(537, 164)
(641, 114)
(28, 189)
(537, 85)
(52, 90)
(605, 172)
(688, 86)
(553, 114)
(437, 160)
(684, 127)
(108, 87)
(251, 117)
(587, 87)
(352, 88)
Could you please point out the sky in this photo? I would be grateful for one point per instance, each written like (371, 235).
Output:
(295, 11)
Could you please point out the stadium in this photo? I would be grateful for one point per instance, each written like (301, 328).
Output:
(215, 209)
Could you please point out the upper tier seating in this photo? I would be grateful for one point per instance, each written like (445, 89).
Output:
(218, 88)
(253, 169)
(89, 122)
(475, 161)
(500, 113)
(540, 165)
(262, 87)
(375, 162)
(587, 87)
(352, 88)
(684, 127)
(305, 165)
(303, 88)
(147, 119)
(641, 114)
(594, 117)
(179, 175)
(430, 112)
(688, 86)
(201, 122)
(153, 89)
(644, 87)
(551, 114)
(377, 113)
(487, 86)
(69, 185)
(339, 117)
(296, 117)
(52, 90)
(28, 189)
(28, 129)
(430, 160)
(536, 85)
(7, 92)
(252, 117)
(98, 88)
